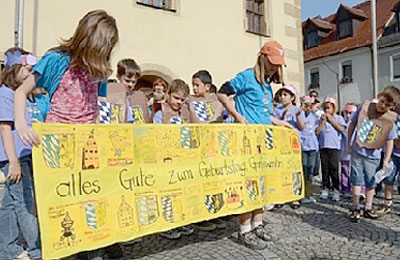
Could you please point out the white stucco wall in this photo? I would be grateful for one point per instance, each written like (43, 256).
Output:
(357, 91)
(201, 34)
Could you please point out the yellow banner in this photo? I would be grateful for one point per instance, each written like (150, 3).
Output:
(100, 184)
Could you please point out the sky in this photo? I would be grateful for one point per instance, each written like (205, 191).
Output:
(312, 8)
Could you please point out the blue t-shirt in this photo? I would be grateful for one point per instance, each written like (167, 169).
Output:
(253, 99)
(309, 139)
(7, 115)
(330, 138)
(369, 153)
(50, 69)
(43, 103)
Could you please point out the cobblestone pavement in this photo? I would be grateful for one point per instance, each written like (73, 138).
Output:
(314, 231)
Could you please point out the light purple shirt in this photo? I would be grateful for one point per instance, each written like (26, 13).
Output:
(309, 139)
(330, 138)
(7, 115)
(369, 153)
(396, 151)
(290, 115)
(129, 114)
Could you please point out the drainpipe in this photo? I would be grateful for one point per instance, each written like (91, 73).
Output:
(19, 23)
(374, 49)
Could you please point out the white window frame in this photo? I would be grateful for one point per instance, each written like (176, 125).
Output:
(396, 55)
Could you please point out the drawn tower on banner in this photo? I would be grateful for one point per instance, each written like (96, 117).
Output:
(90, 157)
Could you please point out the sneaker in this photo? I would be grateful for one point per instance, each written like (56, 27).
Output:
(186, 230)
(295, 205)
(205, 226)
(324, 194)
(316, 178)
(269, 207)
(114, 251)
(171, 234)
(370, 213)
(308, 200)
(260, 232)
(354, 215)
(252, 241)
(22, 256)
(335, 195)
(218, 223)
(384, 209)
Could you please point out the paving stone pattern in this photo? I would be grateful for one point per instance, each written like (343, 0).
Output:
(314, 231)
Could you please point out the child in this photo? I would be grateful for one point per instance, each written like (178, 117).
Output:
(375, 128)
(73, 74)
(287, 112)
(253, 104)
(387, 207)
(175, 111)
(205, 107)
(330, 129)
(349, 109)
(17, 206)
(307, 123)
(128, 73)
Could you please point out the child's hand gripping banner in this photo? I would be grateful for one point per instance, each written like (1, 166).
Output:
(100, 184)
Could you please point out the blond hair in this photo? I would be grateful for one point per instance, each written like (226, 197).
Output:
(261, 76)
(91, 45)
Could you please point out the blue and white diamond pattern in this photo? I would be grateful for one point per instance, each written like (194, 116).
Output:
(200, 110)
(176, 120)
(104, 112)
(269, 140)
(365, 128)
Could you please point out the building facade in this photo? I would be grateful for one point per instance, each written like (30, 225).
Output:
(389, 52)
(173, 38)
(338, 51)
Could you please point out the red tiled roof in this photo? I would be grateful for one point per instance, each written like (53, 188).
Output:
(354, 11)
(361, 38)
(321, 24)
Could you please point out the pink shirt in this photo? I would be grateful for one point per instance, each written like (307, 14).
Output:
(75, 100)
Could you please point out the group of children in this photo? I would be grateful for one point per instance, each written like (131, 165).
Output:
(74, 76)
(362, 141)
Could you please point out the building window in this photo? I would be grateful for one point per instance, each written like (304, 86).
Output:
(397, 14)
(312, 39)
(255, 16)
(314, 78)
(160, 4)
(395, 67)
(347, 72)
(345, 28)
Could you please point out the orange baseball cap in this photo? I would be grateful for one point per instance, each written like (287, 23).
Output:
(274, 52)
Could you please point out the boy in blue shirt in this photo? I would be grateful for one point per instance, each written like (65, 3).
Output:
(375, 128)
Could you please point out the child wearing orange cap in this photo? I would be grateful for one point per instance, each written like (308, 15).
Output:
(253, 104)
(330, 129)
